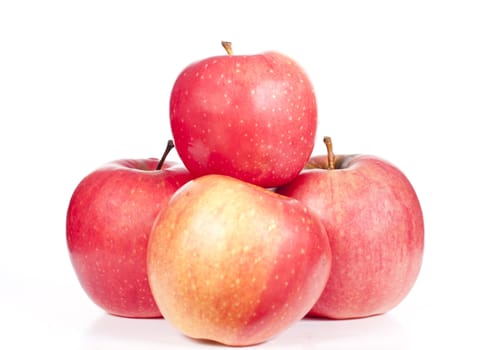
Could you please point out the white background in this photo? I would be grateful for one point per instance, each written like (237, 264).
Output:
(417, 83)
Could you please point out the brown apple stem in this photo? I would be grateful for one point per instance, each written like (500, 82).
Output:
(170, 146)
(331, 158)
(227, 47)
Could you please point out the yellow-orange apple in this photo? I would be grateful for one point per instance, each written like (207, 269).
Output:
(235, 263)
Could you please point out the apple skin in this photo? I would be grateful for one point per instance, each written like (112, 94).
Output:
(108, 224)
(235, 263)
(374, 221)
(251, 117)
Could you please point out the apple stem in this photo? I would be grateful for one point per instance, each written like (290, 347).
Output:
(227, 47)
(331, 158)
(170, 146)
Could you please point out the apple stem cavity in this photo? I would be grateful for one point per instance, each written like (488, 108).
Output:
(331, 158)
(170, 146)
(227, 47)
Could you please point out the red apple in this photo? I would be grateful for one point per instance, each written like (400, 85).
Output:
(375, 226)
(251, 117)
(108, 225)
(235, 263)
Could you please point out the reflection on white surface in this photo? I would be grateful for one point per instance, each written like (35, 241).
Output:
(380, 332)
(108, 329)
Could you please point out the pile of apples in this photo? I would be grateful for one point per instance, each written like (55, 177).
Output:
(250, 234)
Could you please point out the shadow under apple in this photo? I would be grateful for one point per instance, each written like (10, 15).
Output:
(376, 332)
(128, 333)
